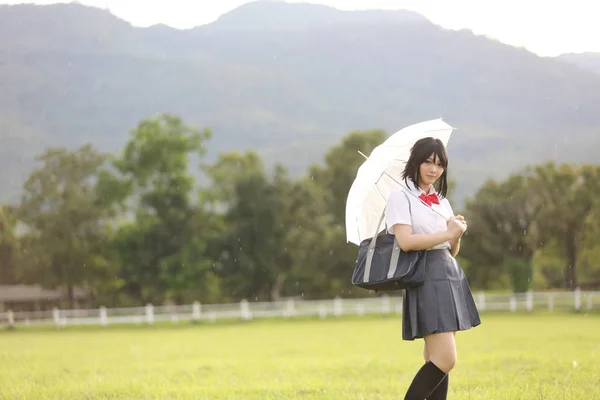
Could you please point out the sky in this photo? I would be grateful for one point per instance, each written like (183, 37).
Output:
(545, 27)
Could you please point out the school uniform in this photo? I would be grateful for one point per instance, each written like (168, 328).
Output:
(444, 302)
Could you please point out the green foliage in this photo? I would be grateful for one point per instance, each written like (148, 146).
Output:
(566, 196)
(158, 246)
(589, 255)
(341, 163)
(261, 216)
(548, 267)
(520, 273)
(333, 257)
(501, 227)
(141, 229)
(517, 218)
(9, 244)
(254, 230)
(63, 226)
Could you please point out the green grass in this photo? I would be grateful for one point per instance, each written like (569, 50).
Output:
(508, 357)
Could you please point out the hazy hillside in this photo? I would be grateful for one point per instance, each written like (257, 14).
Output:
(289, 80)
(589, 61)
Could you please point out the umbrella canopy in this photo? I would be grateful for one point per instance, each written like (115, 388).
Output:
(381, 173)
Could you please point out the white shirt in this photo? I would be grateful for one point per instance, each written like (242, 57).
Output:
(423, 220)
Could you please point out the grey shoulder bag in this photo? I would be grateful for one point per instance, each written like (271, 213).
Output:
(383, 266)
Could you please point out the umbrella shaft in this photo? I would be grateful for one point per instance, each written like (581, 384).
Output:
(416, 197)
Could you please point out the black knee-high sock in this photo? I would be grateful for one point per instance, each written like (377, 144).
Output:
(441, 391)
(424, 382)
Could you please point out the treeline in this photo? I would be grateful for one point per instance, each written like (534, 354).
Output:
(137, 227)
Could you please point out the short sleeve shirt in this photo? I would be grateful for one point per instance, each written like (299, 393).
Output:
(423, 220)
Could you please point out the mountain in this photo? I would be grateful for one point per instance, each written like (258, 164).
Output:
(277, 16)
(589, 61)
(288, 80)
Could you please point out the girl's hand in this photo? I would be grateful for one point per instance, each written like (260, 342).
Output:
(461, 219)
(456, 227)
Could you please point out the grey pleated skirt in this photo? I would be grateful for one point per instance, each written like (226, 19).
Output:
(443, 303)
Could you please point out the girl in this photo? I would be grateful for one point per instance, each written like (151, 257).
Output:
(443, 305)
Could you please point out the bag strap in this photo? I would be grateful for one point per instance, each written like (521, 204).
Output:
(383, 214)
(396, 250)
(371, 252)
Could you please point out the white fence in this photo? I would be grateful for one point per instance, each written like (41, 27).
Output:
(565, 301)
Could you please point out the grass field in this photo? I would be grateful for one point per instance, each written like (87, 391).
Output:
(508, 357)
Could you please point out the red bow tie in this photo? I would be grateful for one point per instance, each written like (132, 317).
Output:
(430, 199)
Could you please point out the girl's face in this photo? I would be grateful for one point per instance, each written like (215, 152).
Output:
(431, 170)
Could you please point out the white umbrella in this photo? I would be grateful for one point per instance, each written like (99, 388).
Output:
(381, 173)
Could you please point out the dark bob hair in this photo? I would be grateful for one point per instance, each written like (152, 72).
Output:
(420, 152)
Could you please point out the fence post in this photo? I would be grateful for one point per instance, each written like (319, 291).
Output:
(529, 300)
(103, 316)
(481, 301)
(322, 311)
(337, 306)
(149, 314)
(589, 301)
(550, 302)
(385, 304)
(360, 309)
(245, 310)
(11, 319)
(56, 316)
(513, 303)
(196, 311)
(577, 298)
(290, 308)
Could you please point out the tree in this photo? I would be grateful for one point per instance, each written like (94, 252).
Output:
(341, 164)
(157, 245)
(502, 234)
(251, 251)
(334, 257)
(64, 226)
(307, 238)
(548, 266)
(8, 244)
(566, 196)
(590, 251)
